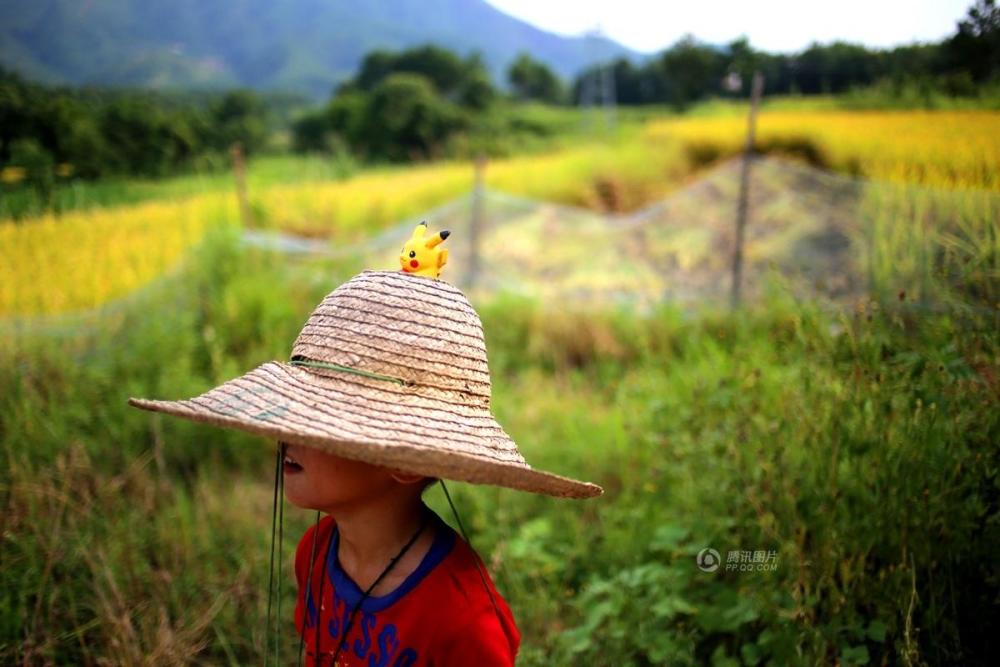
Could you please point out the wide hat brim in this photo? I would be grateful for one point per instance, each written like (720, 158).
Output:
(373, 421)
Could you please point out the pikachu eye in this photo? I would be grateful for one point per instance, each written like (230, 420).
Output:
(413, 253)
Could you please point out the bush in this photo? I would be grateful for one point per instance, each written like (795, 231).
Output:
(36, 164)
(405, 120)
(864, 461)
(92, 133)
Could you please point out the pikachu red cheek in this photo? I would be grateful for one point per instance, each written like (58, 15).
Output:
(414, 263)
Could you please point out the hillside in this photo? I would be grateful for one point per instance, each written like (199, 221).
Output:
(299, 45)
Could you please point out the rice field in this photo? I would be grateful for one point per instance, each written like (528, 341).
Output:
(953, 149)
(91, 256)
(113, 251)
(58, 264)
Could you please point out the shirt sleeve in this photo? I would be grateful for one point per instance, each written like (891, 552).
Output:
(480, 641)
(301, 568)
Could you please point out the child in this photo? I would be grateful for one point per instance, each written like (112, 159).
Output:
(387, 390)
(389, 566)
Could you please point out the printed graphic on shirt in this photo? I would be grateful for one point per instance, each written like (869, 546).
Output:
(377, 646)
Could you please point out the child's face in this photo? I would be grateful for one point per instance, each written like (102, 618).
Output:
(317, 480)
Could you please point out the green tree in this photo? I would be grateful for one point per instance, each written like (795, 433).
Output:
(464, 82)
(239, 117)
(743, 60)
(975, 47)
(38, 165)
(476, 91)
(532, 80)
(14, 111)
(134, 127)
(835, 68)
(406, 120)
(400, 106)
(77, 138)
(691, 71)
(443, 68)
(375, 66)
(311, 133)
(346, 117)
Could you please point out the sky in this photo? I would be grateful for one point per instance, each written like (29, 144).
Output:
(770, 25)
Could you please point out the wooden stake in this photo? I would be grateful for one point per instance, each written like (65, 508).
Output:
(476, 222)
(240, 174)
(741, 209)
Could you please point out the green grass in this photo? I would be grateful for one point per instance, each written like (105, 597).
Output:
(860, 448)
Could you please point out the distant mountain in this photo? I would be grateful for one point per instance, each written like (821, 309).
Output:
(294, 45)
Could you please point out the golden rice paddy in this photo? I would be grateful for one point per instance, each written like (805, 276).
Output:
(946, 149)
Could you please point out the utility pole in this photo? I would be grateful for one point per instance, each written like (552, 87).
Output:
(741, 209)
(608, 95)
(598, 84)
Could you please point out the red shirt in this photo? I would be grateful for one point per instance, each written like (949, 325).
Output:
(440, 615)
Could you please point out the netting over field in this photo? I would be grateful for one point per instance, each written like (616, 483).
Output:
(822, 235)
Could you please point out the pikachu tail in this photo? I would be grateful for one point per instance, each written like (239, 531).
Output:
(437, 238)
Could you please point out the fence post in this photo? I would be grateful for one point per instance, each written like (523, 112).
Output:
(476, 222)
(741, 208)
(240, 174)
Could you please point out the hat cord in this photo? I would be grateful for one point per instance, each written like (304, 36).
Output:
(277, 522)
(479, 566)
(346, 369)
(350, 619)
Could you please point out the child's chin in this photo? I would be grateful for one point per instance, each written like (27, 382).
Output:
(297, 499)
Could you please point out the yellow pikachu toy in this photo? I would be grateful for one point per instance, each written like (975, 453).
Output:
(421, 256)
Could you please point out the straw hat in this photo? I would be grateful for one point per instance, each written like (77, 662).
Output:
(390, 369)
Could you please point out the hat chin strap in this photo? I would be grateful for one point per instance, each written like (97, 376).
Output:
(277, 521)
(479, 566)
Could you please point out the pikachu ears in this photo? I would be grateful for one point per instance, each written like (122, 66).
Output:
(421, 256)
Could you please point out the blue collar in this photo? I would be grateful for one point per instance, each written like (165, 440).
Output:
(350, 592)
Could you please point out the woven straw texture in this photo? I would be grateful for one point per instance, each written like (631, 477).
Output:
(427, 412)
